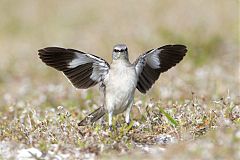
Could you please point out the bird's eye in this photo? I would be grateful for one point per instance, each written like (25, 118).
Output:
(120, 50)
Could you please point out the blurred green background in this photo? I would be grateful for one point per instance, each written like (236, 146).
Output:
(210, 30)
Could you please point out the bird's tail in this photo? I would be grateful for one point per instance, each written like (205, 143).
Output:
(93, 117)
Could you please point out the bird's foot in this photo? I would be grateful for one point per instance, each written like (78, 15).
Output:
(129, 125)
(128, 122)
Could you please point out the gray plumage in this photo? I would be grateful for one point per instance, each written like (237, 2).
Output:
(119, 80)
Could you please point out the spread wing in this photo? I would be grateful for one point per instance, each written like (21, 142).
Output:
(82, 69)
(152, 63)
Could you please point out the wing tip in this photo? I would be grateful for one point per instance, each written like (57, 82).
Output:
(181, 47)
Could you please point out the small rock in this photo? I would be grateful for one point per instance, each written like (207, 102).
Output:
(29, 154)
(165, 139)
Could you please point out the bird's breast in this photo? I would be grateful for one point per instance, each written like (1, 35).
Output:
(120, 88)
(122, 78)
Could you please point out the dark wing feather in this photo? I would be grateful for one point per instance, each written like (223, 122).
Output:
(156, 61)
(82, 69)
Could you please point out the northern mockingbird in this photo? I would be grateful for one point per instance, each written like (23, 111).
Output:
(119, 80)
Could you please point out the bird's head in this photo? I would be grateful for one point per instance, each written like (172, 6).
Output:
(120, 52)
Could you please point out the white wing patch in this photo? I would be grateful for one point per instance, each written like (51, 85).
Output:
(79, 60)
(99, 70)
(153, 59)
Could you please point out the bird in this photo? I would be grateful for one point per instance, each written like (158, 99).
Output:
(119, 80)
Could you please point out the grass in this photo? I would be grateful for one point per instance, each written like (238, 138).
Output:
(192, 111)
(153, 127)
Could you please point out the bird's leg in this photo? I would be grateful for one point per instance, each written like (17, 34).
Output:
(127, 115)
(110, 115)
